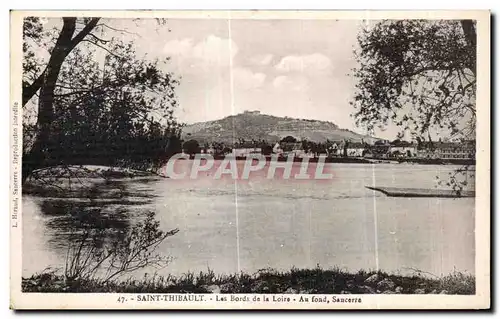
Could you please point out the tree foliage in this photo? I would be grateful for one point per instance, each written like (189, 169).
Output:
(191, 147)
(121, 110)
(418, 74)
(98, 101)
(288, 139)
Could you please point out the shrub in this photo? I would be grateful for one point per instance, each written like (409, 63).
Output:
(93, 257)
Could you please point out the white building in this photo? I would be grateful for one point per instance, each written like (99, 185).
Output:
(244, 152)
(355, 149)
(403, 151)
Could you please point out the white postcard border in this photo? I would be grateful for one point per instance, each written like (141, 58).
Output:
(481, 300)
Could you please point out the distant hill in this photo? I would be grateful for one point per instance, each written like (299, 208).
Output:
(253, 125)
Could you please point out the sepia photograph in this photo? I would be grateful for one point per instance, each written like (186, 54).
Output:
(250, 159)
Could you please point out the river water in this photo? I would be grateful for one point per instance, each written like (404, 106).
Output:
(260, 223)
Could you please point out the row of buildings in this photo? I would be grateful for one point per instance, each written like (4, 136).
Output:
(424, 150)
(380, 149)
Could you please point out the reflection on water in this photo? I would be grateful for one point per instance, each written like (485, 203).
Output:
(104, 209)
(69, 218)
(262, 223)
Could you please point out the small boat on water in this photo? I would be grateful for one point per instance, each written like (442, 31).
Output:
(422, 192)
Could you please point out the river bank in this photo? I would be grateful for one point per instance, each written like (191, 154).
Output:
(82, 181)
(294, 281)
(367, 160)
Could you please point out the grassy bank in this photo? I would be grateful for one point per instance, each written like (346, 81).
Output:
(83, 181)
(294, 281)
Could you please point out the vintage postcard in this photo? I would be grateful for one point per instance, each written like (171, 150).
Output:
(250, 160)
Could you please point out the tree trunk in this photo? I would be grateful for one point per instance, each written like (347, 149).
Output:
(38, 156)
(469, 28)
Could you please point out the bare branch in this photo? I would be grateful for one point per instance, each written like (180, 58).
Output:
(104, 48)
(99, 39)
(30, 90)
(118, 30)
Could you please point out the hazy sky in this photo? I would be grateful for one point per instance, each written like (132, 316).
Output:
(295, 68)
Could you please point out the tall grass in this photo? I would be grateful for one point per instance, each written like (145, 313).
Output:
(304, 281)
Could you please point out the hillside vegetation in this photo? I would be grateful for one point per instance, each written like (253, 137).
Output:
(252, 125)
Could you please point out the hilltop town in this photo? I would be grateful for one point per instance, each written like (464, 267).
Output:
(253, 125)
